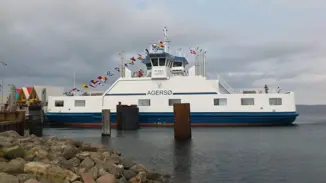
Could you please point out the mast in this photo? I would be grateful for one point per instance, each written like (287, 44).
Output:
(205, 63)
(122, 66)
(166, 40)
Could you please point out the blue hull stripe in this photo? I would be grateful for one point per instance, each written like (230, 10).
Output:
(196, 117)
(195, 93)
(177, 93)
(124, 94)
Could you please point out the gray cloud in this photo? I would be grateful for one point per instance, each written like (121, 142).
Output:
(43, 42)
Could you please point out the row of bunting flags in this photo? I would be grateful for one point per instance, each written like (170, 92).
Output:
(101, 80)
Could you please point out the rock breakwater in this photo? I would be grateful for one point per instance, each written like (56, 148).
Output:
(31, 159)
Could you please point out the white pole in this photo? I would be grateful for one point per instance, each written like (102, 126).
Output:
(2, 82)
(205, 63)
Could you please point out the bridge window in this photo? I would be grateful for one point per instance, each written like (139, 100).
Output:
(149, 66)
(155, 61)
(58, 103)
(275, 101)
(170, 63)
(144, 102)
(177, 64)
(162, 61)
(80, 103)
(247, 101)
(220, 101)
(174, 101)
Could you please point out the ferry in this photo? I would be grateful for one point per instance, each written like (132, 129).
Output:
(168, 79)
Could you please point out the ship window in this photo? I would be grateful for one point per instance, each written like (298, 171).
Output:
(80, 103)
(174, 101)
(162, 61)
(220, 101)
(58, 103)
(170, 63)
(247, 101)
(275, 101)
(155, 61)
(177, 64)
(144, 102)
(149, 66)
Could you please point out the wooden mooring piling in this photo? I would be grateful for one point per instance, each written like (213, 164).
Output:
(182, 127)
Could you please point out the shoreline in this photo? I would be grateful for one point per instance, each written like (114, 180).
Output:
(50, 159)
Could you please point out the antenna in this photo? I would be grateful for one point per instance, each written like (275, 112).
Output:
(166, 40)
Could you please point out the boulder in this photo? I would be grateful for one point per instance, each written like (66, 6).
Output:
(83, 155)
(13, 152)
(87, 163)
(87, 178)
(7, 178)
(31, 181)
(128, 174)
(107, 178)
(24, 177)
(127, 163)
(71, 176)
(138, 168)
(69, 152)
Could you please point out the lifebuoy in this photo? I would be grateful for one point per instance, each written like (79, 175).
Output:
(260, 92)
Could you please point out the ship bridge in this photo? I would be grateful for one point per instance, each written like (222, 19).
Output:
(163, 65)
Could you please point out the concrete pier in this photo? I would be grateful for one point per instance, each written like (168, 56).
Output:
(106, 122)
(182, 127)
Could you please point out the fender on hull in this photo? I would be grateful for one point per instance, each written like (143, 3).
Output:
(197, 118)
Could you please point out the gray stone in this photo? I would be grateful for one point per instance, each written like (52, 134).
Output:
(138, 168)
(15, 166)
(83, 155)
(74, 161)
(32, 181)
(24, 177)
(7, 178)
(154, 175)
(87, 163)
(129, 174)
(123, 180)
(127, 163)
(69, 151)
(13, 152)
(94, 171)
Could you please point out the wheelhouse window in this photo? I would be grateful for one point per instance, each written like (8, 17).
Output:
(177, 64)
(220, 101)
(170, 63)
(80, 103)
(162, 61)
(247, 101)
(149, 66)
(154, 61)
(275, 101)
(174, 101)
(59, 103)
(144, 102)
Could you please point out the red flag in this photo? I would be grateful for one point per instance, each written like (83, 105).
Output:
(192, 52)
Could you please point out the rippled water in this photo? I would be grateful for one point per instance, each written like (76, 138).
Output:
(225, 154)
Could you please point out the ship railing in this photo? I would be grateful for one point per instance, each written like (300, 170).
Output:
(260, 90)
(225, 84)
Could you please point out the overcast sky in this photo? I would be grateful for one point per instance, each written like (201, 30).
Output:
(249, 42)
